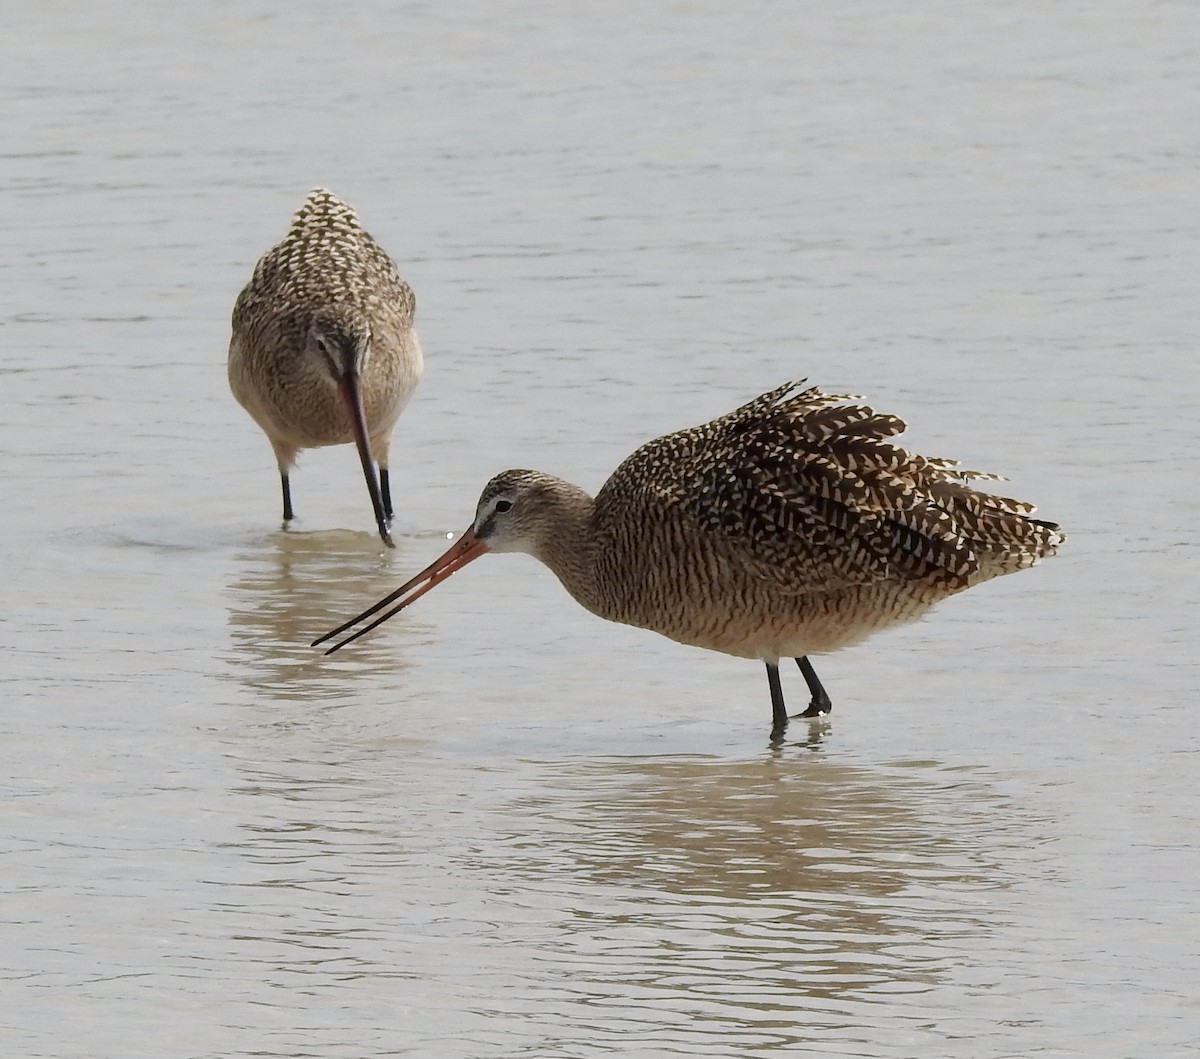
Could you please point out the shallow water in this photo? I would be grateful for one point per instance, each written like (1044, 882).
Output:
(500, 827)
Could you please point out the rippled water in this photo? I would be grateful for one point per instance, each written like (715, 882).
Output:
(500, 827)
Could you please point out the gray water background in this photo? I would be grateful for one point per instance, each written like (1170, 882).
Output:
(501, 827)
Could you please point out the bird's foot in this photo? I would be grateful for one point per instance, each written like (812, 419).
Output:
(817, 708)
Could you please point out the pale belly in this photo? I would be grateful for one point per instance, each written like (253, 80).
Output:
(306, 410)
(771, 626)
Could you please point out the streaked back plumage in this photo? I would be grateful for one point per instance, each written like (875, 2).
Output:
(809, 490)
(327, 262)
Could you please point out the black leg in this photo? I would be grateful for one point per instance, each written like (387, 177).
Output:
(385, 493)
(288, 513)
(820, 698)
(779, 717)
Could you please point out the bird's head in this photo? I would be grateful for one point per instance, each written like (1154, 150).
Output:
(340, 346)
(521, 511)
(518, 511)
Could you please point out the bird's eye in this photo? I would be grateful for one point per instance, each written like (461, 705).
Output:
(502, 506)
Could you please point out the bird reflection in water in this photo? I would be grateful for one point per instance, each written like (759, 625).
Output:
(282, 589)
(767, 896)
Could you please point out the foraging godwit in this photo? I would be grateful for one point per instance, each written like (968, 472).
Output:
(323, 349)
(790, 527)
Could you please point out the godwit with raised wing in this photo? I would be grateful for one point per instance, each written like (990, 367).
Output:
(323, 349)
(790, 527)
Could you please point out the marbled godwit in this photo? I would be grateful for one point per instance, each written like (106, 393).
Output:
(790, 527)
(323, 349)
